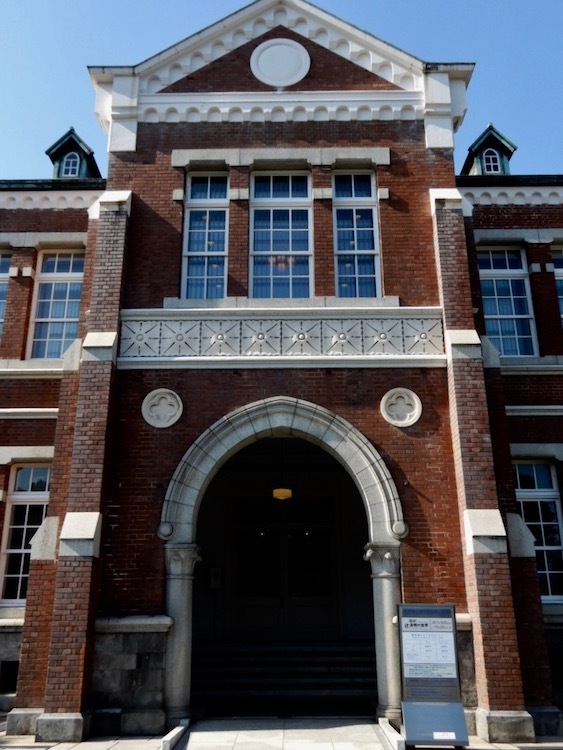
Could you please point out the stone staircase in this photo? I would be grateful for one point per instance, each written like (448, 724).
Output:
(284, 679)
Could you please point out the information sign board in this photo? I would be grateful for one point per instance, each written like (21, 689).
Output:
(432, 707)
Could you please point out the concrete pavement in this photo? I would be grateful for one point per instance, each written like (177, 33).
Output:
(264, 734)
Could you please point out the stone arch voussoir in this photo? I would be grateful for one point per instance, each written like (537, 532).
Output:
(282, 416)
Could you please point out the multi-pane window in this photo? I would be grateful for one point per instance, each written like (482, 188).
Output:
(491, 161)
(5, 260)
(281, 247)
(557, 257)
(356, 239)
(506, 299)
(205, 247)
(57, 307)
(71, 165)
(25, 510)
(540, 506)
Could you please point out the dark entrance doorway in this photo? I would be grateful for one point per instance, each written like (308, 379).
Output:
(282, 597)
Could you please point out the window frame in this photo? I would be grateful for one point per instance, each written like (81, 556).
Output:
(492, 163)
(354, 202)
(75, 170)
(557, 260)
(299, 203)
(15, 498)
(48, 277)
(545, 495)
(208, 205)
(510, 275)
(5, 263)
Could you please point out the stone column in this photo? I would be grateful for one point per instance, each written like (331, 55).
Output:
(386, 577)
(180, 564)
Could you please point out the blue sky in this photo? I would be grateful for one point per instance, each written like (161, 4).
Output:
(48, 44)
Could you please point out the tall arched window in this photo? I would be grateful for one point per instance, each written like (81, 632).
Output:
(491, 160)
(71, 165)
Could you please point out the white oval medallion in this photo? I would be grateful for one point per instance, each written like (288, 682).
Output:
(280, 62)
(162, 408)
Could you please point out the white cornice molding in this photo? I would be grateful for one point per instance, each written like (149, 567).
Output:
(39, 369)
(31, 413)
(536, 410)
(48, 199)
(11, 453)
(236, 157)
(522, 195)
(123, 92)
(44, 239)
(537, 235)
(281, 106)
(551, 365)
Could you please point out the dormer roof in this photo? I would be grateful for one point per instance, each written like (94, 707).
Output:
(193, 80)
(71, 144)
(493, 140)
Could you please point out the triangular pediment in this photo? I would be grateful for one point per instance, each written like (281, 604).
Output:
(232, 71)
(365, 52)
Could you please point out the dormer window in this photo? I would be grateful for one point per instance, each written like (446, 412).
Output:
(491, 161)
(71, 165)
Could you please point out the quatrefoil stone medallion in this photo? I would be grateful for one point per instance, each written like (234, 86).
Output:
(162, 408)
(401, 407)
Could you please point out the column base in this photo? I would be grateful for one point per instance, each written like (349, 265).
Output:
(22, 720)
(504, 726)
(60, 728)
(177, 715)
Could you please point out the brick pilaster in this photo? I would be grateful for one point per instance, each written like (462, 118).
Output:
(544, 299)
(76, 588)
(486, 562)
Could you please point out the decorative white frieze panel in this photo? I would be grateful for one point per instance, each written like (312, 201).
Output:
(183, 338)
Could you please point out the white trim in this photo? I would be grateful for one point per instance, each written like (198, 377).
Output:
(48, 199)
(537, 450)
(63, 240)
(550, 365)
(134, 624)
(246, 157)
(29, 413)
(285, 106)
(539, 235)
(537, 410)
(12, 453)
(521, 195)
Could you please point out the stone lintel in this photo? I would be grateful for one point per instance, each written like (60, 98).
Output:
(504, 726)
(237, 157)
(484, 531)
(134, 624)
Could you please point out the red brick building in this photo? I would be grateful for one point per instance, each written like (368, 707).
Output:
(276, 374)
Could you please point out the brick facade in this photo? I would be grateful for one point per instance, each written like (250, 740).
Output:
(126, 491)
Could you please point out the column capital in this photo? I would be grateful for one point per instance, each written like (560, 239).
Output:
(385, 561)
(181, 559)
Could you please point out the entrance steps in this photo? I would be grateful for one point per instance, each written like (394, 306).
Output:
(295, 678)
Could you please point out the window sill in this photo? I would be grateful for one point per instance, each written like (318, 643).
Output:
(175, 303)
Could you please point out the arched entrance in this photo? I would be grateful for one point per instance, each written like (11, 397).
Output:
(283, 613)
(281, 417)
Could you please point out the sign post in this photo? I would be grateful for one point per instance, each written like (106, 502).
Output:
(432, 707)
